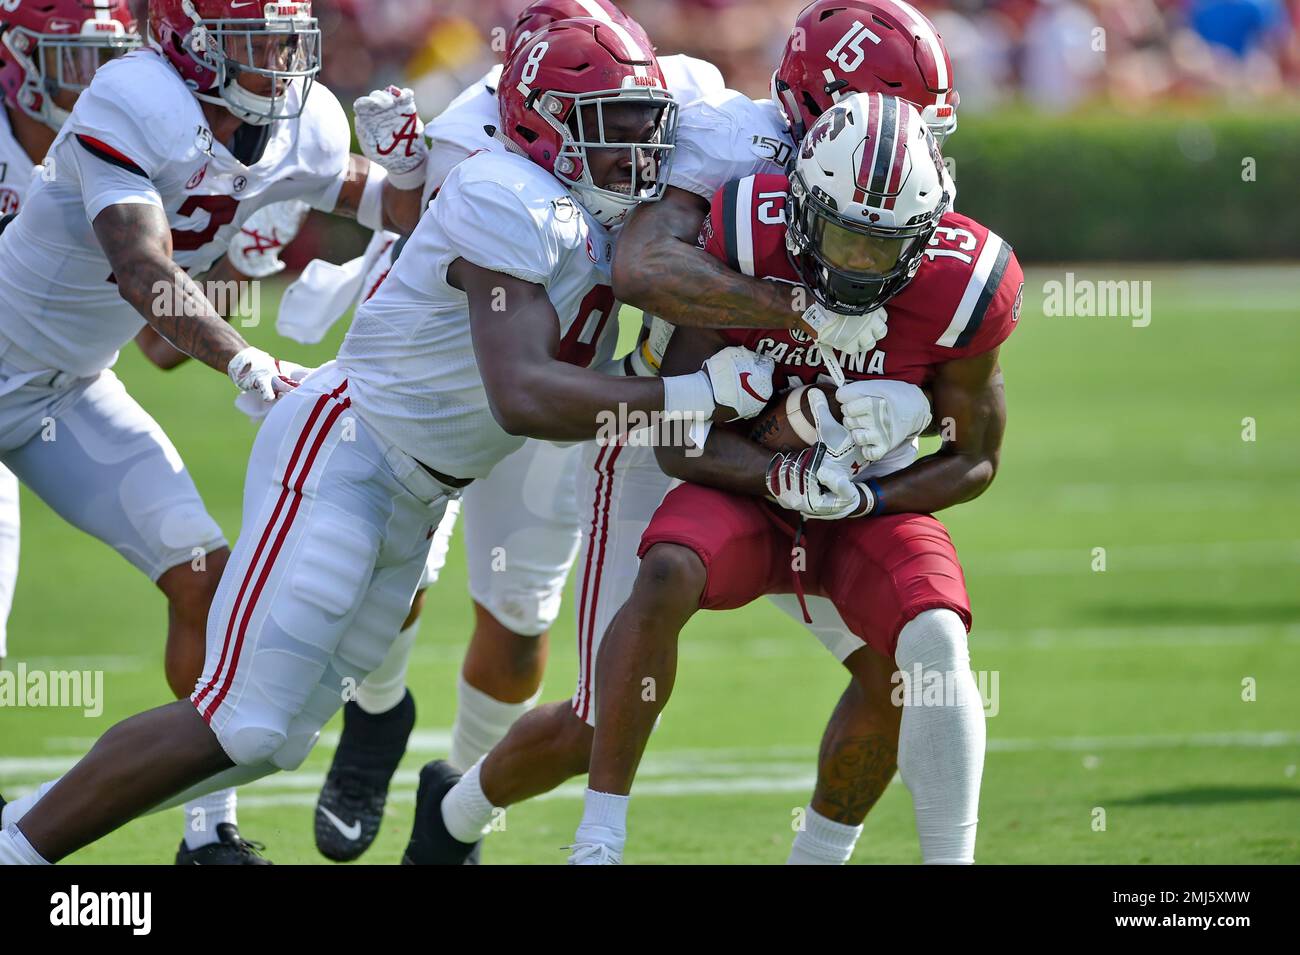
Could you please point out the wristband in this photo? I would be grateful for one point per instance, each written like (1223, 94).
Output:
(689, 395)
(370, 210)
(877, 498)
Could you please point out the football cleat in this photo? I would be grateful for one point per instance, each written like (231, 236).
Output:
(431, 843)
(593, 853)
(350, 808)
(230, 849)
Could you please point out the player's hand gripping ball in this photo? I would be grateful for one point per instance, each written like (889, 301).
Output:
(882, 414)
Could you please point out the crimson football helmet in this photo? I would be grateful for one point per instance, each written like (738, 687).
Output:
(212, 43)
(55, 46)
(840, 47)
(542, 13)
(553, 97)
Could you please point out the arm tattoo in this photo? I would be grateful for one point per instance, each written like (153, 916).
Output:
(137, 242)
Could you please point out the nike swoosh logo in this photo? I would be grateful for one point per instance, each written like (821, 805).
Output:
(351, 833)
(744, 383)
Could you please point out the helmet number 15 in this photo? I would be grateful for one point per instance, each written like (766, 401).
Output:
(851, 43)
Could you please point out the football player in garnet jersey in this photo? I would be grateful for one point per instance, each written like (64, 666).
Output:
(863, 222)
(167, 155)
(434, 385)
(723, 136)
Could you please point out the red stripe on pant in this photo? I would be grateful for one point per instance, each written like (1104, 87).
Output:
(588, 655)
(286, 483)
(586, 578)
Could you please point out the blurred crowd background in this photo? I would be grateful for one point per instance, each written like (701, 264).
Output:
(1054, 54)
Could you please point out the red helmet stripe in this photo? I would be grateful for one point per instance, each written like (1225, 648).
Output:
(900, 149)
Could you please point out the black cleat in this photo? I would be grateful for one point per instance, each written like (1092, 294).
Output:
(431, 843)
(350, 808)
(230, 849)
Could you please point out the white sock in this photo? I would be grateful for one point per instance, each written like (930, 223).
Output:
(384, 688)
(16, 850)
(204, 813)
(15, 810)
(604, 820)
(481, 722)
(466, 812)
(823, 841)
(941, 747)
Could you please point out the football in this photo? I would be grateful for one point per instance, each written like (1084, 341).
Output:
(787, 423)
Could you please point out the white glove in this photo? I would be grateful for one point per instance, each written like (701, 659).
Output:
(882, 414)
(255, 371)
(842, 459)
(257, 408)
(741, 380)
(792, 480)
(851, 334)
(255, 251)
(391, 134)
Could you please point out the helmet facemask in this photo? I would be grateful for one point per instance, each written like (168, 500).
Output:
(278, 51)
(581, 120)
(852, 267)
(56, 63)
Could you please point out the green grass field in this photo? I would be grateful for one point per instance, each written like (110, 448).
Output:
(1120, 690)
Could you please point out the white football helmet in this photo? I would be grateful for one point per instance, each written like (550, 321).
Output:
(866, 193)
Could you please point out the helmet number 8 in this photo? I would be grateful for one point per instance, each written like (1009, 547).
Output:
(534, 62)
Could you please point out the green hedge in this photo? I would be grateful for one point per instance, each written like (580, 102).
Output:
(1106, 186)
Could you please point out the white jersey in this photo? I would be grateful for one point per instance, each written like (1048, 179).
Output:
(725, 136)
(138, 135)
(466, 126)
(16, 168)
(412, 372)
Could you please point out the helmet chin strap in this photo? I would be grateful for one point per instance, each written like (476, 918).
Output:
(242, 104)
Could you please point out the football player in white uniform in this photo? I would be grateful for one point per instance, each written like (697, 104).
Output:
(661, 269)
(484, 333)
(167, 154)
(522, 529)
(42, 71)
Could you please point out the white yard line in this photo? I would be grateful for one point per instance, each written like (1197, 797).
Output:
(707, 771)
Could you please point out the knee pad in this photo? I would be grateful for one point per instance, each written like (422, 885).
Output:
(249, 745)
(529, 613)
(935, 639)
(295, 750)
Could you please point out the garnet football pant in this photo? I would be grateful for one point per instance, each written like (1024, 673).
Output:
(878, 572)
(337, 526)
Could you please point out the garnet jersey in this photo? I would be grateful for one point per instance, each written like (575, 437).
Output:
(138, 135)
(413, 375)
(964, 300)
